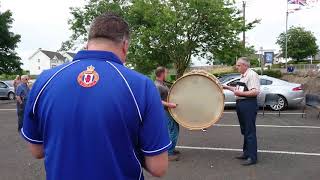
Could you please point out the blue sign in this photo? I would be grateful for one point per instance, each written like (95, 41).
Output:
(268, 57)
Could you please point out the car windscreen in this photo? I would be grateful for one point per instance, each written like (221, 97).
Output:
(10, 83)
(224, 79)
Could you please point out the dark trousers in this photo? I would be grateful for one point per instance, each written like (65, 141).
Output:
(247, 113)
(20, 112)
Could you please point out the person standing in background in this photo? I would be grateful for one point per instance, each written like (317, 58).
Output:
(247, 91)
(16, 82)
(22, 92)
(173, 126)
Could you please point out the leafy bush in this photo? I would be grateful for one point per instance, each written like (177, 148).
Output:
(254, 62)
(304, 62)
(271, 73)
(170, 78)
(4, 77)
(277, 66)
(224, 73)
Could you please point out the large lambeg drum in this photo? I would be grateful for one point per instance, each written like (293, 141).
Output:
(200, 100)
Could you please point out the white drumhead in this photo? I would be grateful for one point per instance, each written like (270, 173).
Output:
(200, 101)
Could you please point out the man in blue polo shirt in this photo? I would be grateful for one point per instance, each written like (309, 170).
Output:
(22, 93)
(94, 118)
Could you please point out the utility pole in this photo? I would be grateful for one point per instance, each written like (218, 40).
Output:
(244, 23)
(286, 49)
(261, 60)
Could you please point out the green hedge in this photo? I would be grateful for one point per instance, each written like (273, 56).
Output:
(224, 73)
(271, 73)
(277, 66)
(304, 62)
(4, 77)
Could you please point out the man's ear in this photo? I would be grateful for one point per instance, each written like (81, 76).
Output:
(125, 47)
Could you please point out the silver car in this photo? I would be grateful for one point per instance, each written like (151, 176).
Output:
(290, 94)
(7, 90)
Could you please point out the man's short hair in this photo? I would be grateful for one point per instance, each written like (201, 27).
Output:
(160, 70)
(109, 26)
(245, 61)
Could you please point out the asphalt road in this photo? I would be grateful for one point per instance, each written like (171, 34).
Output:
(289, 150)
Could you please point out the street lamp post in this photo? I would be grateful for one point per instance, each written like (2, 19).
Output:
(261, 60)
(286, 51)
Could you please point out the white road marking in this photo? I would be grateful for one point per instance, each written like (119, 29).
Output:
(271, 126)
(8, 109)
(234, 125)
(268, 113)
(227, 112)
(240, 150)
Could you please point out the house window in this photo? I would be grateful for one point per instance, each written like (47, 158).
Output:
(38, 60)
(38, 67)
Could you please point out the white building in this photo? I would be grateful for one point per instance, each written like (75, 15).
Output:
(279, 58)
(42, 60)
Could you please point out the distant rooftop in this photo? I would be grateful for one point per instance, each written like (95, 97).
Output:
(71, 54)
(52, 54)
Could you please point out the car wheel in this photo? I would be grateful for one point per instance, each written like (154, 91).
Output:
(11, 96)
(282, 104)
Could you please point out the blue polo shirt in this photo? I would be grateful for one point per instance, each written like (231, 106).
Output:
(96, 119)
(22, 91)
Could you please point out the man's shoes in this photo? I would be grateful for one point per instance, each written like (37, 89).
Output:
(242, 157)
(173, 158)
(249, 162)
(176, 152)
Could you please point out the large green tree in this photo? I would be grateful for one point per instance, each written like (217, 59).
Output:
(301, 43)
(9, 60)
(229, 55)
(169, 32)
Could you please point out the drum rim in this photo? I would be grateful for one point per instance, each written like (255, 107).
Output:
(207, 125)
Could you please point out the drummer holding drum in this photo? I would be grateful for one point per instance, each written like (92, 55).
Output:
(247, 91)
(173, 126)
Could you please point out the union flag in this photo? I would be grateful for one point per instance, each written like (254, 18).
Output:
(299, 2)
(302, 2)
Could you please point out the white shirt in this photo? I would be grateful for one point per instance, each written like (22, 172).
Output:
(251, 79)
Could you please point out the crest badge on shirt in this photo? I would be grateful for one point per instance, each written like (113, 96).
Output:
(88, 78)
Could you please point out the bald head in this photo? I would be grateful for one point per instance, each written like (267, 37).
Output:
(24, 78)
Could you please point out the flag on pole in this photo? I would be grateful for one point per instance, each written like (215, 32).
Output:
(298, 2)
(303, 2)
(296, 5)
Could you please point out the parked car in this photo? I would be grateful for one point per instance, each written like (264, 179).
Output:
(228, 77)
(7, 90)
(290, 94)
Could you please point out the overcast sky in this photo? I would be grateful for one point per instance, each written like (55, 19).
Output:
(43, 23)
